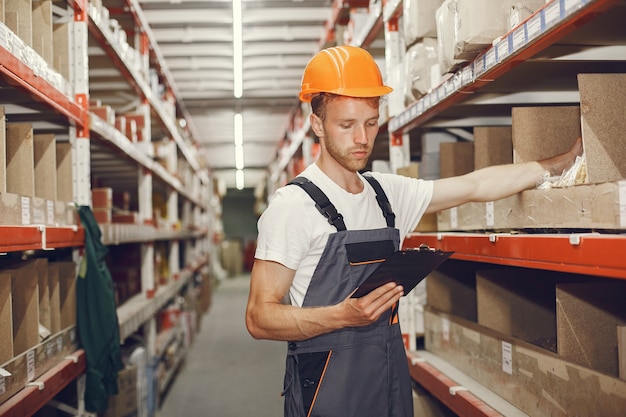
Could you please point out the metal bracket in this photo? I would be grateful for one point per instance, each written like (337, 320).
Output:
(39, 384)
(454, 390)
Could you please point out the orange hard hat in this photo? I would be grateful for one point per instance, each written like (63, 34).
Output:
(344, 70)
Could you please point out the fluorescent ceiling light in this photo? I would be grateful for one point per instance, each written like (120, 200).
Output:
(239, 179)
(237, 50)
(238, 121)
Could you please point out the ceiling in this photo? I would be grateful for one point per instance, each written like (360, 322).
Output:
(279, 38)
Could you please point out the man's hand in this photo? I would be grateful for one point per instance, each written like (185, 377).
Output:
(367, 309)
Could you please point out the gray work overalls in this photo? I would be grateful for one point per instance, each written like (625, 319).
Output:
(352, 372)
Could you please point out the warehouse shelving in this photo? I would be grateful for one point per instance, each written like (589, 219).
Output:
(485, 89)
(534, 64)
(60, 104)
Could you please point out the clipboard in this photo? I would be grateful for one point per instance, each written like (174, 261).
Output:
(407, 268)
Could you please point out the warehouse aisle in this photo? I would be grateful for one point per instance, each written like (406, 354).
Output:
(227, 373)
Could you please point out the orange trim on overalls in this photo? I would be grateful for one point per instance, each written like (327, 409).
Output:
(319, 383)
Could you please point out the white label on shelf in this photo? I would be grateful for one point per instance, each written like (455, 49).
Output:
(50, 349)
(491, 59)
(30, 365)
(572, 5)
(2, 386)
(467, 75)
(25, 210)
(622, 203)
(489, 213)
(519, 37)
(454, 220)
(552, 13)
(59, 344)
(50, 212)
(507, 358)
(445, 329)
(533, 26)
(479, 66)
(503, 48)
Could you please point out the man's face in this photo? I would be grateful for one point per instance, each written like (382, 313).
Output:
(349, 130)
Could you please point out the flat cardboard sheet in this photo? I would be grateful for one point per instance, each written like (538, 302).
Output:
(406, 268)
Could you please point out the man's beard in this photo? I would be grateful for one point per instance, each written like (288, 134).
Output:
(345, 159)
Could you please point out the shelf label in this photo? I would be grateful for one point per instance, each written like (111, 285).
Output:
(491, 59)
(479, 66)
(503, 48)
(622, 204)
(552, 13)
(30, 365)
(489, 214)
(507, 358)
(454, 219)
(534, 27)
(572, 5)
(445, 329)
(519, 38)
(3, 388)
(50, 212)
(50, 349)
(25, 210)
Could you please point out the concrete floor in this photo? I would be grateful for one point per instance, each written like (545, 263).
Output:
(227, 373)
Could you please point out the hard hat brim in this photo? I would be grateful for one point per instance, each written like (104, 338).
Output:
(369, 92)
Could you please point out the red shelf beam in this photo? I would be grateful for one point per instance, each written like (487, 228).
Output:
(63, 237)
(461, 401)
(589, 254)
(20, 75)
(17, 238)
(29, 400)
(586, 14)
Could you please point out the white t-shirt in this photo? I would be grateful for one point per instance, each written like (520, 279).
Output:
(293, 233)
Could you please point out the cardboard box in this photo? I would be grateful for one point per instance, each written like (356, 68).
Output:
(536, 381)
(452, 289)
(103, 216)
(20, 160)
(61, 59)
(42, 30)
(419, 19)
(54, 290)
(6, 318)
(102, 198)
(519, 303)
(19, 17)
(124, 404)
(493, 145)
(588, 315)
(25, 299)
(45, 158)
(105, 112)
(456, 158)
(542, 132)
(66, 271)
(602, 102)
(64, 175)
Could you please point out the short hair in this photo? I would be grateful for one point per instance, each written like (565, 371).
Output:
(320, 101)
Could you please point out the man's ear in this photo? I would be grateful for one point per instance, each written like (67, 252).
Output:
(317, 125)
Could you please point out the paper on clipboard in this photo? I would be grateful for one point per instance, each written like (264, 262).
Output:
(406, 268)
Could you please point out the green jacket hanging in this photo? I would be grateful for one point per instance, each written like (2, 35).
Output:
(98, 326)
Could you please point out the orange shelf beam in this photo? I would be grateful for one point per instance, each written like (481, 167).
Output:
(63, 237)
(17, 238)
(32, 398)
(462, 402)
(588, 254)
(20, 75)
(551, 36)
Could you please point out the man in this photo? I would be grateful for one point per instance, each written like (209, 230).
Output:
(318, 238)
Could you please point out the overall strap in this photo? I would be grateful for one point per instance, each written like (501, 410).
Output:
(383, 201)
(322, 203)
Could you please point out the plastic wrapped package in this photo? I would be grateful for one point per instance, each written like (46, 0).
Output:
(418, 19)
(575, 175)
(418, 62)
